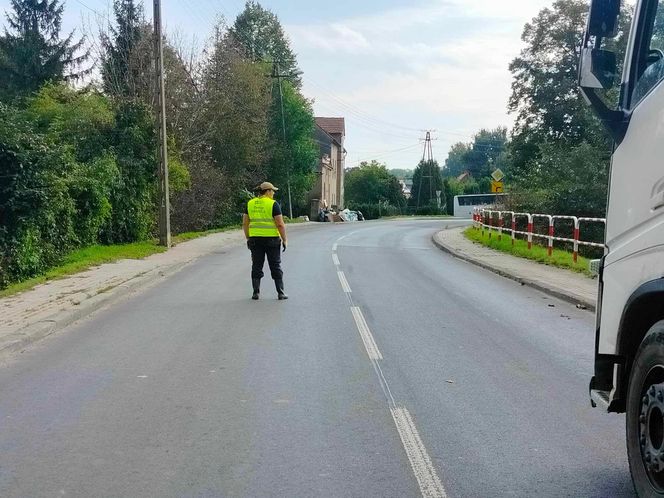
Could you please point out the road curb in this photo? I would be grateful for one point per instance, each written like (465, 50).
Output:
(551, 290)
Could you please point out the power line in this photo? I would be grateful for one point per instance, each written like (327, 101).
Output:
(369, 118)
(359, 112)
(368, 127)
(386, 153)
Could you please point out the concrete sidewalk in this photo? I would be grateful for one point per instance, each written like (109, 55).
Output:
(564, 284)
(32, 315)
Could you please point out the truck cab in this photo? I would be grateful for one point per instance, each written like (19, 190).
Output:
(629, 350)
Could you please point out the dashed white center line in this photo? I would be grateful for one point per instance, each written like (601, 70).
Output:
(365, 333)
(344, 283)
(425, 473)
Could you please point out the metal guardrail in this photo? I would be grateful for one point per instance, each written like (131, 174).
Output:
(495, 220)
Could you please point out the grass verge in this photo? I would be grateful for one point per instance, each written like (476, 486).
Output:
(560, 258)
(83, 259)
(184, 237)
(86, 258)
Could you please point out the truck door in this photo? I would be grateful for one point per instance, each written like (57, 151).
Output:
(635, 231)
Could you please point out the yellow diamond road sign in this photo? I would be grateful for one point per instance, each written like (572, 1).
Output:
(498, 175)
(497, 187)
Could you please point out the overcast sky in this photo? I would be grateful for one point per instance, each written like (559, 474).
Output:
(392, 68)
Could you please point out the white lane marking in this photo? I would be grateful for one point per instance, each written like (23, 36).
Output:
(365, 333)
(336, 244)
(344, 282)
(335, 259)
(142, 376)
(425, 473)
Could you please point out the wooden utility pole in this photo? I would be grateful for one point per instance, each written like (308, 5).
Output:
(278, 75)
(160, 108)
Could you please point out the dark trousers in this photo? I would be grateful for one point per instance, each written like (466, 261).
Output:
(261, 247)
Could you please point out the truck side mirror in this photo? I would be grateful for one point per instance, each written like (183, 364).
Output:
(603, 18)
(597, 68)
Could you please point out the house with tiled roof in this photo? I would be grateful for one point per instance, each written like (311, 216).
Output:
(328, 192)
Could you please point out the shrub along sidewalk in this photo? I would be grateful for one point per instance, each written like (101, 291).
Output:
(89, 257)
(84, 259)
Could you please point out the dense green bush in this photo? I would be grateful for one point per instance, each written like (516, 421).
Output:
(77, 170)
(373, 211)
(37, 211)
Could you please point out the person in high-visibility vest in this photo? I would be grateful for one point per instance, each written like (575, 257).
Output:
(265, 230)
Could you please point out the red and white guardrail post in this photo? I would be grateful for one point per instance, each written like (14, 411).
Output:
(530, 231)
(485, 220)
(577, 234)
(501, 222)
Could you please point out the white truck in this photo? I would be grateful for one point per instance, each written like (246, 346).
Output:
(629, 354)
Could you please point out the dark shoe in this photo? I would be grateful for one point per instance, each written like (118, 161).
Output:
(256, 283)
(279, 284)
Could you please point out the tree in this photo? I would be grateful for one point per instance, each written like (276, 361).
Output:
(552, 120)
(259, 31)
(237, 97)
(296, 158)
(31, 51)
(78, 169)
(485, 153)
(566, 181)
(545, 96)
(427, 179)
(370, 183)
(455, 164)
(119, 70)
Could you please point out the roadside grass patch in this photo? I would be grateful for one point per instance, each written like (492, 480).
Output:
(560, 258)
(186, 236)
(89, 257)
(84, 259)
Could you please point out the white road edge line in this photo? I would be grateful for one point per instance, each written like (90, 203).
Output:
(335, 260)
(344, 283)
(365, 333)
(425, 473)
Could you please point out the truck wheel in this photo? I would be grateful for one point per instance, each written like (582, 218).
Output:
(645, 415)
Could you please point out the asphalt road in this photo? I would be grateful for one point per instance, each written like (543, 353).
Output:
(393, 371)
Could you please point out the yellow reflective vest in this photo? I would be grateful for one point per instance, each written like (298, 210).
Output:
(261, 221)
